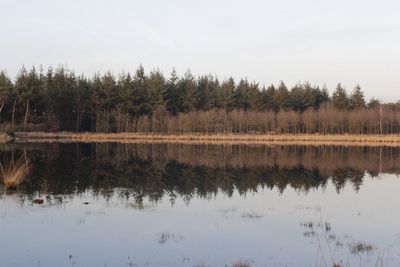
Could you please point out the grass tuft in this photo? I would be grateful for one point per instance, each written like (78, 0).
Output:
(241, 264)
(14, 173)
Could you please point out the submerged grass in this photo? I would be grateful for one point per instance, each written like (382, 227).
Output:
(251, 215)
(14, 173)
(241, 263)
(361, 247)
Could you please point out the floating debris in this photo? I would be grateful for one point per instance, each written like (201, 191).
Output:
(38, 201)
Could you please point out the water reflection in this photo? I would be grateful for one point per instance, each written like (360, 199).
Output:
(193, 205)
(172, 170)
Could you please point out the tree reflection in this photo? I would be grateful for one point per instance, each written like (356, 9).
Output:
(155, 171)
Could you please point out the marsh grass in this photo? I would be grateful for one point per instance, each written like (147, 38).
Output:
(361, 247)
(251, 215)
(14, 173)
(241, 263)
(164, 237)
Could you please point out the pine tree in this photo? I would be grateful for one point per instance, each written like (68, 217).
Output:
(298, 100)
(126, 94)
(240, 95)
(323, 96)
(187, 88)
(61, 90)
(141, 98)
(215, 97)
(282, 97)
(83, 105)
(254, 97)
(357, 100)
(157, 89)
(228, 94)
(30, 89)
(267, 98)
(202, 93)
(339, 98)
(373, 103)
(172, 97)
(6, 94)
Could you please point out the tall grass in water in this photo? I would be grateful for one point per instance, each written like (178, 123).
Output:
(241, 264)
(14, 173)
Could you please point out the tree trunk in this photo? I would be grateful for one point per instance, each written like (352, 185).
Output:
(127, 124)
(78, 116)
(26, 114)
(78, 121)
(107, 121)
(380, 118)
(1, 108)
(13, 114)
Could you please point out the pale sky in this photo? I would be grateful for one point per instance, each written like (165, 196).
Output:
(347, 41)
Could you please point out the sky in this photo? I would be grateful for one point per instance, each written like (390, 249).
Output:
(323, 42)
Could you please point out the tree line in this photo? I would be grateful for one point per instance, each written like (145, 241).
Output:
(58, 99)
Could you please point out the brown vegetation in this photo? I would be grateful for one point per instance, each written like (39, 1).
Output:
(14, 173)
(241, 264)
(281, 139)
(326, 120)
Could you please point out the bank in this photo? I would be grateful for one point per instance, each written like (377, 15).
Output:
(284, 139)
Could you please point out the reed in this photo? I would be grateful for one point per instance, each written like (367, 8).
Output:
(14, 173)
(241, 264)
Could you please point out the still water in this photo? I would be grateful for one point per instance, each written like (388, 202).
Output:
(197, 205)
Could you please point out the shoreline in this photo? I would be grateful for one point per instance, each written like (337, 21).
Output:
(273, 139)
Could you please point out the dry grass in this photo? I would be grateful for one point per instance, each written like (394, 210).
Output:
(251, 215)
(279, 139)
(241, 264)
(361, 247)
(14, 172)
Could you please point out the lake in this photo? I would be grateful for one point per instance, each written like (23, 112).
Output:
(202, 205)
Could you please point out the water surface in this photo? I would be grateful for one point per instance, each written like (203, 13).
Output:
(196, 205)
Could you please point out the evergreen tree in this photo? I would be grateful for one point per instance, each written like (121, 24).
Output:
(215, 98)
(172, 97)
(187, 88)
(126, 94)
(323, 96)
(30, 90)
(339, 98)
(141, 97)
(282, 97)
(61, 101)
(6, 94)
(267, 98)
(357, 100)
(157, 89)
(82, 105)
(373, 103)
(228, 94)
(241, 95)
(298, 99)
(203, 93)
